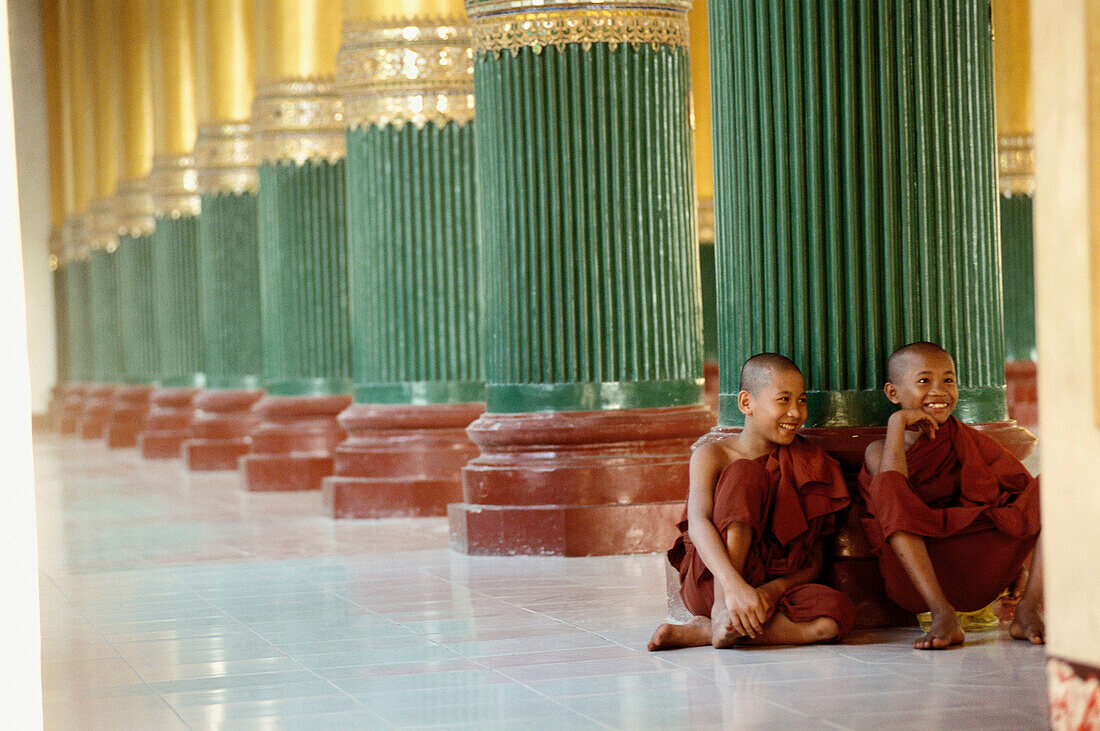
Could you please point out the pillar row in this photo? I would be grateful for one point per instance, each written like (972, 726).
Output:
(589, 279)
(408, 107)
(78, 323)
(106, 354)
(300, 149)
(856, 211)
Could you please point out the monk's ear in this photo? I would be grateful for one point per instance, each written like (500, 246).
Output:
(744, 402)
(891, 392)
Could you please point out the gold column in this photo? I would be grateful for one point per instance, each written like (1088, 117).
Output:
(1012, 94)
(699, 49)
(297, 115)
(226, 62)
(56, 129)
(76, 22)
(173, 180)
(406, 61)
(135, 202)
(107, 75)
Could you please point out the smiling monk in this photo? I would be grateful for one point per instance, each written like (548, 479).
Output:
(758, 505)
(951, 514)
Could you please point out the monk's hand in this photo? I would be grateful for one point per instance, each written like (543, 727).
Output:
(771, 593)
(914, 418)
(748, 609)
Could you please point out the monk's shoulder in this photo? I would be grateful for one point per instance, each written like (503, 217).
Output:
(714, 455)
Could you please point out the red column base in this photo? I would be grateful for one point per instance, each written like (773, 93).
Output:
(400, 461)
(292, 447)
(168, 424)
(127, 418)
(57, 405)
(219, 429)
(584, 483)
(97, 411)
(73, 408)
(1022, 381)
(855, 568)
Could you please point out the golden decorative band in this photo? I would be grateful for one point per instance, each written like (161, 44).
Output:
(706, 220)
(135, 209)
(1016, 165)
(57, 247)
(413, 71)
(511, 25)
(175, 184)
(223, 155)
(73, 239)
(298, 120)
(102, 231)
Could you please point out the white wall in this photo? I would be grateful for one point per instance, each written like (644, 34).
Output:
(20, 672)
(32, 161)
(1068, 408)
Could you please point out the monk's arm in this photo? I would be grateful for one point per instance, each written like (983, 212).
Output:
(889, 454)
(705, 467)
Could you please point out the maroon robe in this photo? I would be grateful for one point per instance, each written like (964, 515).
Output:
(788, 499)
(973, 502)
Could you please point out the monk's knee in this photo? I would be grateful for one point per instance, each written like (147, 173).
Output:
(824, 629)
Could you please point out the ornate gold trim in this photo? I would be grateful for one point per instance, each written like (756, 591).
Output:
(102, 226)
(1016, 165)
(136, 212)
(73, 239)
(406, 71)
(298, 120)
(706, 220)
(57, 248)
(174, 182)
(223, 156)
(511, 25)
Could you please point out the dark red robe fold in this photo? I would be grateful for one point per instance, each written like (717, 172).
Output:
(973, 502)
(788, 499)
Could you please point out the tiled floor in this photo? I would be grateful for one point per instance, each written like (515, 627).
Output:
(175, 600)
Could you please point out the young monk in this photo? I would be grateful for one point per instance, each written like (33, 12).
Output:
(952, 515)
(758, 504)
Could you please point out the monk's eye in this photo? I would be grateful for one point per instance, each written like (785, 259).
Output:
(923, 380)
(802, 400)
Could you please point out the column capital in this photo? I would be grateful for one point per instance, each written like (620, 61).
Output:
(103, 225)
(1016, 165)
(511, 25)
(407, 70)
(225, 160)
(174, 184)
(298, 120)
(135, 209)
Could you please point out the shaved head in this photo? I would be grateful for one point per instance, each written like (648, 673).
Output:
(900, 357)
(760, 369)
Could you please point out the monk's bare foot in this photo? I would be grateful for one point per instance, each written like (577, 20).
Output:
(722, 634)
(1028, 624)
(695, 633)
(944, 633)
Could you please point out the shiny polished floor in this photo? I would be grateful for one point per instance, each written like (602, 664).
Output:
(174, 600)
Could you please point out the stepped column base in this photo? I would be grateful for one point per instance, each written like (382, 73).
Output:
(168, 423)
(57, 405)
(400, 461)
(73, 408)
(854, 569)
(1022, 381)
(293, 445)
(97, 411)
(220, 429)
(581, 483)
(129, 409)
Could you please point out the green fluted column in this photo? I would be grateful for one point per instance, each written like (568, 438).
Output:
(137, 310)
(303, 278)
(856, 196)
(413, 253)
(176, 277)
(589, 257)
(708, 279)
(61, 321)
(1018, 270)
(103, 282)
(79, 322)
(230, 285)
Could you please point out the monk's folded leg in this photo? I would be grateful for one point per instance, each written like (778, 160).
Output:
(806, 614)
(972, 568)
